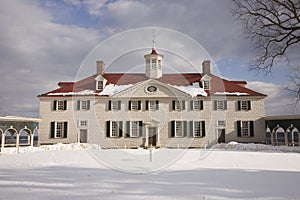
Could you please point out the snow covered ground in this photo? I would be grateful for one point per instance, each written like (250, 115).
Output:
(232, 171)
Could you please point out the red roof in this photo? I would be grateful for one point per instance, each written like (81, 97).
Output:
(217, 84)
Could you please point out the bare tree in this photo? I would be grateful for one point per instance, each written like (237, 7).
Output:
(274, 27)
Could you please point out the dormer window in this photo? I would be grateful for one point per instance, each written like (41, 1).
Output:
(100, 82)
(206, 85)
(99, 85)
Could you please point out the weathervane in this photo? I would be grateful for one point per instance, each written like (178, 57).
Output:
(153, 40)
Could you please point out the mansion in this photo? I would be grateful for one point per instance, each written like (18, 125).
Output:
(132, 110)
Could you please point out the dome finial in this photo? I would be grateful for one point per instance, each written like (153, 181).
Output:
(153, 40)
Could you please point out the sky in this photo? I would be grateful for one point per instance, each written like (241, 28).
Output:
(43, 42)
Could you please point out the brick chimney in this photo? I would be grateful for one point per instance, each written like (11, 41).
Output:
(100, 67)
(206, 67)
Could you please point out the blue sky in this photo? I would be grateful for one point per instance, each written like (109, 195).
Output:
(43, 42)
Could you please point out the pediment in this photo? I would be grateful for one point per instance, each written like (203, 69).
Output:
(151, 88)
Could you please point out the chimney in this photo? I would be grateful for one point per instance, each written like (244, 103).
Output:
(100, 67)
(206, 67)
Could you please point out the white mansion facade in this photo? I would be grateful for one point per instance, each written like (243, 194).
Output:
(118, 110)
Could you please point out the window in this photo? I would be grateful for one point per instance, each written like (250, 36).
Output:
(99, 85)
(153, 61)
(197, 128)
(60, 105)
(245, 128)
(152, 105)
(220, 105)
(159, 64)
(197, 105)
(58, 129)
(178, 105)
(244, 105)
(114, 128)
(134, 129)
(134, 105)
(83, 123)
(83, 104)
(178, 128)
(114, 105)
(221, 123)
(206, 84)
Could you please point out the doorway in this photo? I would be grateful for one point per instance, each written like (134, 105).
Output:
(83, 136)
(152, 136)
(221, 135)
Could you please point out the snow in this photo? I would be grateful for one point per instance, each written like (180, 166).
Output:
(112, 89)
(231, 93)
(83, 171)
(83, 92)
(193, 90)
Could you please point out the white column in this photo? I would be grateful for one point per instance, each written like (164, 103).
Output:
(31, 139)
(2, 141)
(147, 136)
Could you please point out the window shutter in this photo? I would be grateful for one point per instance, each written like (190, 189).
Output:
(109, 105)
(119, 104)
(78, 104)
(191, 128)
(139, 105)
(141, 128)
(107, 128)
(127, 129)
(88, 104)
(225, 105)
(157, 104)
(184, 128)
(201, 105)
(183, 105)
(52, 129)
(251, 129)
(249, 105)
(147, 105)
(65, 105)
(65, 129)
(54, 104)
(172, 128)
(203, 128)
(239, 105)
(191, 105)
(173, 104)
(215, 104)
(129, 105)
(239, 128)
(120, 129)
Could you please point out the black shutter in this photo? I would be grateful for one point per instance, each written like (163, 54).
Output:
(129, 105)
(54, 105)
(157, 104)
(88, 104)
(251, 129)
(191, 105)
(172, 128)
(191, 128)
(119, 104)
(141, 128)
(249, 105)
(65, 129)
(78, 104)
(239, 105)
(203, 128)
(225, 105)
(184, 128)
(65, 105)
(215, 104)
(139, 105)
(52, 129)
(201, 105)
(183, 105)
(173, 104)
(147, 105)
(120, 129)
(109, 105)
(107, 128)
(239, 128)
(127, 129)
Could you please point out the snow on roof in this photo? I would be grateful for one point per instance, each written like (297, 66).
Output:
(17, 118)
(231, 93)
(83, 92)
(112, 89)
(193, 90)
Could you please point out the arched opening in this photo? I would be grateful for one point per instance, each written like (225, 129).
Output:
(1, 137)
(295, 136)
(25, 136)
(10, 137)
(268, 136)
(279, 136)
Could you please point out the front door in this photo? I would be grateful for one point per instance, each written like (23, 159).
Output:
(221, 135)
(152, 136)
(83, 136)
